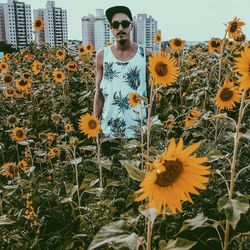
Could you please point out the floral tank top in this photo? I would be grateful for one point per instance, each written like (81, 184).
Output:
(120, 78)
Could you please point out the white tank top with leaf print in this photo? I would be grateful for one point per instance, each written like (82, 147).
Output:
(120, 78)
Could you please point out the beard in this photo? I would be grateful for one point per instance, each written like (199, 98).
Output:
(122, 42)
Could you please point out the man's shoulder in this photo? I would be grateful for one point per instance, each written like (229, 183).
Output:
(148, 52)
(100, 56)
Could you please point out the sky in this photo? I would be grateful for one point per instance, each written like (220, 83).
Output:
(191, 20)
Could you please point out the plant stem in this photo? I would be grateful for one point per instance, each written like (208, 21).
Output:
(142, 141)
(98, 161)
(150, 104)
(233, 165)
(149, 234)
(77, 181)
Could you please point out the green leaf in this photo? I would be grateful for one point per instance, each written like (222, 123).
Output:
(132, 169)
(70, 194)
(76, 161)
(214, 155)
(199, 221)
(4, 220)
(112, 182)
(233, 208)
(179, 244)
(149, 213)
(89, 181)
(115, 232)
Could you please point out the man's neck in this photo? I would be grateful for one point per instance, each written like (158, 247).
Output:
(127, 45)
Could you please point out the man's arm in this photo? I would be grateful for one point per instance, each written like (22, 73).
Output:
(98, 98)
(148, 54)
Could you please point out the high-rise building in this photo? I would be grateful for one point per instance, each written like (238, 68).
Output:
(16, 29)
(95, 30)
(102, 32)
(145, 28)
(55, 30)
(2, 28)
(88, 35)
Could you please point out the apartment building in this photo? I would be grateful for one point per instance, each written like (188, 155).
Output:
(145, 28)
(55, 30)
(16, 23)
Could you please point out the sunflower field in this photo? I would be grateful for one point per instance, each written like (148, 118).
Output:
(182, 183)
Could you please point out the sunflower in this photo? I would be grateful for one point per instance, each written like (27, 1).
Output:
(227, 95)
(89, 48)
(174, 175)
(9, 92)
(163, 69)
(38, 24)
(192, 117)
(214, 45)
(243, 67)
(58, 76)
(170, 123)
(17, 134)
(176, 44)
(9, 170)
(36, 67)
(89, 125)
(23, 85)
(72, 66)
(69, 127)
(4, 67)
(28, 56)
(240, 39)
(23, 165)
(60, 54)
(192, 59)
(6, 57)
(51, 136)
(231, 45)
(25, 76)
(7, 79)
(81, 49)
(134, 99)
(56, 118)
(55, 152)
(234, 28)
(158, 38)
(11, 120)
(109, 43)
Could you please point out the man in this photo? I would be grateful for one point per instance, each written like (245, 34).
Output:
(121, 70)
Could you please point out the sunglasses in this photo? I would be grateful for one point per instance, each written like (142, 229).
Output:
(124, 23)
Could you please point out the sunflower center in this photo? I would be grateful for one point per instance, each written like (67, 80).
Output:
(7, 79)
(177, 42)
(59, 75)
(161, 69)
(226, 94)
(60, 53)
(215, 44)
(26, 75)
(173, 170)
(19, 133)
(233, 27)
(23, 83)
(92, 124)
(38, 23)
(136, 99)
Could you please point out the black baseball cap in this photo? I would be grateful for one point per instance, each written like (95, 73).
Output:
(110, 12)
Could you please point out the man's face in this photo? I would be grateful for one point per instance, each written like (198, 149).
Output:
(121, 31)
